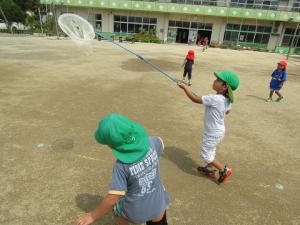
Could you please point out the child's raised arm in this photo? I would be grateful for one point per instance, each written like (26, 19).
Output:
(193, 97)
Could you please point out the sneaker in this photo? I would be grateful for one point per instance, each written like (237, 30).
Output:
(279, 99)
(190, 83)
(208, 171)
(269, 99)
(183, 80)
(225, 174)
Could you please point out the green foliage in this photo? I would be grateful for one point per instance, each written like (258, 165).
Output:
(49, 25)
(33, 23)
(144, 36)
(12, 11)
(15, 10)
(27, 4)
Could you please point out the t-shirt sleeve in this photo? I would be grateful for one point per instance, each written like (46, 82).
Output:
(209, 100)
(284, 76)
(158, 145)
(119, 180)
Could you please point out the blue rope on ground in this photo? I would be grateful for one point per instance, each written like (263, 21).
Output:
(141, 58)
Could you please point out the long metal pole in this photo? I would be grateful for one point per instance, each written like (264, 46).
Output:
(292, 43)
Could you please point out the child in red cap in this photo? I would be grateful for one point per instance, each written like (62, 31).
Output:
(188, 64)
(278, 78)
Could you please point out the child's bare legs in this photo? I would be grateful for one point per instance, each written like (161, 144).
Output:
(279, 95)
(217, 164)
(270, 96)
(121, 221)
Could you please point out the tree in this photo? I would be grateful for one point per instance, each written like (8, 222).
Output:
(12, 11)
(15, 10)
(27, 4)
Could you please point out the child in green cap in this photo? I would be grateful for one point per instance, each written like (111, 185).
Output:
(136, 193)
(216, 106)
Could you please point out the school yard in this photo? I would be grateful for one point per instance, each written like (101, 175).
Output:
(52, 96)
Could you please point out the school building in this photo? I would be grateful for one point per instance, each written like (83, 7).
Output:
(270, 24)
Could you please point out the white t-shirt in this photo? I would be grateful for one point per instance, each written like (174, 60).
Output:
(215, 108)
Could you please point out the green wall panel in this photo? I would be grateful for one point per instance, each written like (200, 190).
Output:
(181, 8)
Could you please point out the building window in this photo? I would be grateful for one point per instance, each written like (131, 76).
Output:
(247, 33)
(134, 24)
(288, 38)
(195, 2)
(190, 25)
(96, 21)
(296, 6)
(257, 4)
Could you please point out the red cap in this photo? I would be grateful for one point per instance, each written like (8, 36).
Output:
(283, 63)
(190, 55)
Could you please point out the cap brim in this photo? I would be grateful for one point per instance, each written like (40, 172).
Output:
(218, 75)
(230, 92)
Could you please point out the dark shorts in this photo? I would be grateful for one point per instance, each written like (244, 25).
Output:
(118, 212)
(188, 72)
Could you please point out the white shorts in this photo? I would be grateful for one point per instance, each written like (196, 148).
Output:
(209, 146)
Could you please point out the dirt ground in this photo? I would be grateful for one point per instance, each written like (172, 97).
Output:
(53, 95)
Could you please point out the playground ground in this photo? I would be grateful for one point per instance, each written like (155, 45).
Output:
(52, 96)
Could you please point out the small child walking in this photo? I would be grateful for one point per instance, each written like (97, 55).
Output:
(276, 83)
(188, 66)
(205, 44)
(216, 106)
(136, 193)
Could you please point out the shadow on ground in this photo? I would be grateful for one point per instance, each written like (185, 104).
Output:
(257, 97)
(181, 158)
(136, 65)
(88, 202)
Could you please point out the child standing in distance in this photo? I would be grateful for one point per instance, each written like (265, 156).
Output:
(216, 106)
(188, 66)
(136, 194)
(278, 78)
(205, 44)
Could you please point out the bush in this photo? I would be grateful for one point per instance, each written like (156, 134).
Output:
(144, 36)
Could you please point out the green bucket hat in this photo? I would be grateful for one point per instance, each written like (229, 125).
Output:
(129, 141)
(231, 79)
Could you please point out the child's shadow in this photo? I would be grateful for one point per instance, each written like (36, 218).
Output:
(257, 97)
(181, 158)
(87, 202)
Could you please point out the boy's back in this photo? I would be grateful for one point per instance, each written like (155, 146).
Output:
(140, 183)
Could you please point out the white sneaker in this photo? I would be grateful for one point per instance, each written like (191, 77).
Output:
(269, 99)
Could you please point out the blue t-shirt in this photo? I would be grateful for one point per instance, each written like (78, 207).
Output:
(277, 77)
(144, 194)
